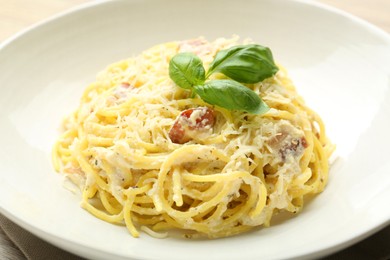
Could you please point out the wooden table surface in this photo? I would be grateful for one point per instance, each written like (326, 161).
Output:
(18, 14)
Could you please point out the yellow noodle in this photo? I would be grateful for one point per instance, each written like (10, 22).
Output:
(227, 181)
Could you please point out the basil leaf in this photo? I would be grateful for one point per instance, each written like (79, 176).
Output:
(186, 70)
(244, 63)
(231, 95)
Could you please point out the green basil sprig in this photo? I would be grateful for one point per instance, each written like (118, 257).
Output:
(186, 70)
(231, 95)
(244, 63)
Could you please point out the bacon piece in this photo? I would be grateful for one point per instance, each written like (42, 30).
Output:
(122, 90)
(191, 124)
(198, 46)
(295, 147)
(125, 85)
(286, 143)
(177, 134)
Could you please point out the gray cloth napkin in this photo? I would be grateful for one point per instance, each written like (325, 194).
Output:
(19, 244)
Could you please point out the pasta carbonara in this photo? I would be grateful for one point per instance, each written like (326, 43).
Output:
(148, 155)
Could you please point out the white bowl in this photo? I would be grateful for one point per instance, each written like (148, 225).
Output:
(340, 64)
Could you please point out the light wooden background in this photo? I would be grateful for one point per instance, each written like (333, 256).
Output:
(18, 14)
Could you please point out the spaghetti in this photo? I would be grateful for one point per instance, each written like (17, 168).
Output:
(148, 155)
